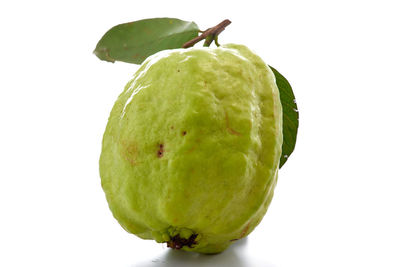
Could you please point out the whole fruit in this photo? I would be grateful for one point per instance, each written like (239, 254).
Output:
(191, 151)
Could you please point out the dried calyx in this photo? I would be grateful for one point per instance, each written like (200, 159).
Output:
(178, 242)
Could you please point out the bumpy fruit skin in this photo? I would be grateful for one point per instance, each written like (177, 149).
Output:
(191, 151)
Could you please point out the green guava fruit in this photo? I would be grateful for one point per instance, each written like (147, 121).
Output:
(191, 150)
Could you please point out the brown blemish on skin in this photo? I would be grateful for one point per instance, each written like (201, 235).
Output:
(230, 130)
(160, 151)
(184, 133)
(129, 152)
(244, 232)
(193, 147)
(172, 127)
(179, 70)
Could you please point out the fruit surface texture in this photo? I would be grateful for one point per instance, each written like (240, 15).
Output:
(191, 150)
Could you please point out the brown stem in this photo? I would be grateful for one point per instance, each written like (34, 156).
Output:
(214, 31)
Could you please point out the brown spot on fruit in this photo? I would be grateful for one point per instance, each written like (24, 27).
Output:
(245, 230)
(228, 128)
(160, 151)
(190, 150)
(184, 133)
(129, 151)
(231, 131)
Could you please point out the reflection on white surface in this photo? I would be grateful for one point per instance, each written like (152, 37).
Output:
(234, 257)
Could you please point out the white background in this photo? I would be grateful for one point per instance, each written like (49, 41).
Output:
(337, 202)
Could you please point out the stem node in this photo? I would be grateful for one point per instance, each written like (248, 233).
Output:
(211, 34)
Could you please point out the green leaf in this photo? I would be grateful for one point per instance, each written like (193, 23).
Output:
(290, 116)
(133, 42)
